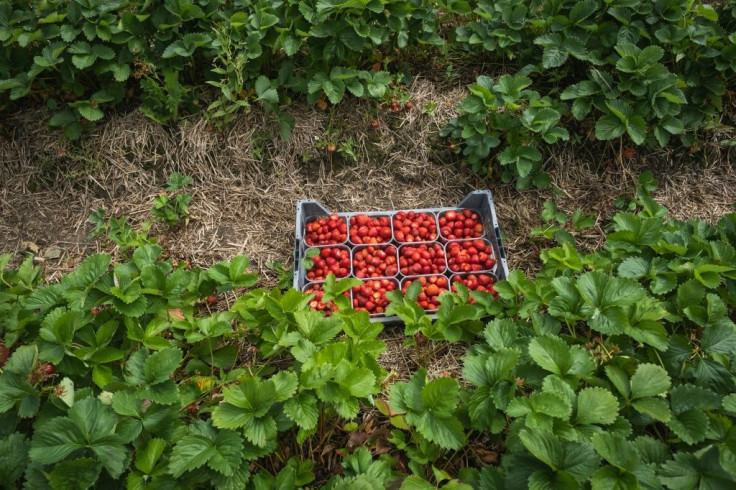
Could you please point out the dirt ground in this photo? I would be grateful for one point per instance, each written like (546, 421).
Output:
(246, 181)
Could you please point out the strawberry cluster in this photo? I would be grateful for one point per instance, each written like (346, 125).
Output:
(375, 261)
(414, 227)
(335, 260)
(460, 224)
(475, 282)
(327, 231)
(366, 229)
(371, 295)
(432, 287)
(316, 303)
(470, 256)
(422, 259)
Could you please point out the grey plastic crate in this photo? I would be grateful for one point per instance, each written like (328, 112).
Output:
(479, 201)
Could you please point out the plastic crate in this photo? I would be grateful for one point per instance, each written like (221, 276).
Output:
(479, 201)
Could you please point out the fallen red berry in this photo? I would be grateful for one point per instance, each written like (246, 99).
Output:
(335, 260)
(408, 106)
(414, 227)
(475, 282)
(193, 408)
(422, 259)
(374, 124)
(459, 224)
(211, 300)
(331, 148)
(629, 153)
(95, 311)
(366, 229)
(316, 303)
(375, 261)
(470, 256)
(432, 287)
(371, 295)
(327, 231)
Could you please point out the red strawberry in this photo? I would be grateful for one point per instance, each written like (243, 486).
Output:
(470, 256)
(371, 295)
(422, 259)
(375, 261)
(335, 260)
(327, 231)
(366, 229)
(374, 124)
(432, 287)
(463, 223)
(414, 227)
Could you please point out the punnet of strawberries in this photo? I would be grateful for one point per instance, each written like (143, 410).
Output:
(422, 258)
(475, 282)
(460, 224)
(335, 260)
(432, 287)
(371, 295)
(414, 227)
(470, 255)
(370, 229)
(316, 303)
(330, 230)
(375, 261)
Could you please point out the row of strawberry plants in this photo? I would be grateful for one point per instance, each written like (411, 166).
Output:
(612, 368)
(82, 56)
(645, 71)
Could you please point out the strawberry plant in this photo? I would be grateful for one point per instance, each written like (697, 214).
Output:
(171, 206)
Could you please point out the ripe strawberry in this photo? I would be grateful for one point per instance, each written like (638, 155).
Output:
(475, 282)
(422, 259)
(432, 287)
(366, 229)
(327, 231)
(371, 295)
(95, 311)
(414, 227)
(335, 260)
(629, 152)
(375, 261)
(470, 256)
(463, 223)
(316, 303)
(211, 300)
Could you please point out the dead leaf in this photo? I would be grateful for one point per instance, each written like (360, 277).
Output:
(176, 314)
(30, 246)
(52, 253)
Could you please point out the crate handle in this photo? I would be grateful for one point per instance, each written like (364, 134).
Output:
(501, 248)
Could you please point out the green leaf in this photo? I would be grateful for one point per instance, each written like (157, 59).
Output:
(596, 406)
(690, 426)
(302, 409)
(654, 407)
(447, 432)
(190, 453)
(649, 380)
(162, 364)
(75, 474)
(440, 395)
(616, 450)
(551, 354)
(146, 460)
(90, 113)
(609, 127)
(13, 458)
(544, 446)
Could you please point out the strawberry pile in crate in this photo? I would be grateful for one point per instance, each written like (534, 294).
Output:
(390, 250)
